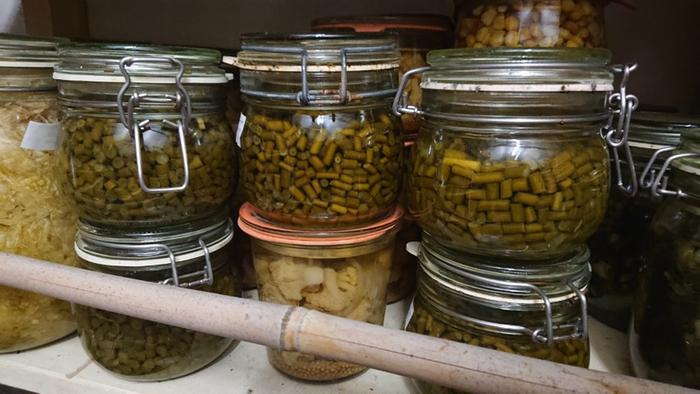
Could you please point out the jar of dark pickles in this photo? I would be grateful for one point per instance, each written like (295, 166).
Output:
(510, 160)
(417, 35)
(617, 247)
(145, 138)
(320, 146)
(478, 301)
(665, 331)
(194, 258)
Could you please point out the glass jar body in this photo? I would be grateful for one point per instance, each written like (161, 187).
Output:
(526, 192)
(142, 350)
(99, 166)
(665, 334)
(347, 281)
(322, 167)
(540, 23)
(37, 221)
(402, 281)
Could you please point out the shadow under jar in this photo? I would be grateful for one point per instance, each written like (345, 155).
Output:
(531, 23)
(142, 350)
(510, 160)
(320, 146)
(341, 272)
(35, 219)
(501, 306)
(618, 246)
(145, 138)
(665, 330)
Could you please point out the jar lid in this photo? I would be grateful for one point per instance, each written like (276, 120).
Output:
(416, 31)
(530, 70)
(519, 285)
(655, 130)
(28, 52)
(324, 52)
(89, 62)
(255, 226)
(151, 249)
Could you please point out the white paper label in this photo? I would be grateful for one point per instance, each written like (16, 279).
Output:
(41, 136)
(239, 131)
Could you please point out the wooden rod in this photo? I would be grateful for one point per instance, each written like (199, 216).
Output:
(451, 364)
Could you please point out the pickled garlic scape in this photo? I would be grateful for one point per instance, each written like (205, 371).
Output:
(35, 221)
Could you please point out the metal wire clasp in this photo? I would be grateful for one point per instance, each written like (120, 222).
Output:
(400, 105)
(206, 275)
(182, 102)
(622, 105)
(659, 186)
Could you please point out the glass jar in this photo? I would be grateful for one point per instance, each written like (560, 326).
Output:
(323, 152)
(417, 35)
(531, 23)
(617, 247)
(510, 160)
(469, 299)
(35, 220)
(142, 350)
(343, 272)
(665, 331)
(145, 138)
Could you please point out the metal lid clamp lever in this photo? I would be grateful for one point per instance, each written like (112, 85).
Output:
(659, 186)
(182, 102)
(206, 275)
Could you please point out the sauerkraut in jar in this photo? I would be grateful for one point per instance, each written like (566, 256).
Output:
(35, 219)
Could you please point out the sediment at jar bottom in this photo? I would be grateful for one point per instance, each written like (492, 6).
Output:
(321, 168)
(572, 352)
(544, 203)
(99, 168)
(350, 287)
(539, 23)
(143, 350)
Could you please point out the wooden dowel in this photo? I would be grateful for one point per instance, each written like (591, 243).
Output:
(447, 363)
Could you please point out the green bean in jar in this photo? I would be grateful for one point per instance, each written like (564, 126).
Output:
(525, 197)
(321, 168)
(100, 170)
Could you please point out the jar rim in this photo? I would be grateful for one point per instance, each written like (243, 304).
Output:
(91, 62)
(151, 249)
(504, 57)
(28, 51)
(655, 130)
(257, 227)
(383, 22)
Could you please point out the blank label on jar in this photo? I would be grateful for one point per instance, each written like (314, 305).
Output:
(239, 131)
(41, 136)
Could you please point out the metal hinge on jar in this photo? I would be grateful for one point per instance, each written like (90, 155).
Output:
(658, 184)
(622, 105)
(204, 277)
(180, 99)
(305, 96)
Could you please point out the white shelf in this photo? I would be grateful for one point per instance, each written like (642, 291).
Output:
(64, 367)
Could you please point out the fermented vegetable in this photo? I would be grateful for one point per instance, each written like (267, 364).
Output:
(35, 221)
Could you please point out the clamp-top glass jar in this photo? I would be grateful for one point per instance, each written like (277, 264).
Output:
(142, 350)
(665, 334)
(145, 139)
(35, 220)
(617, 247)
(489, 303)
(320, 146)
(510, 159)
(531, 23)
(417, 35)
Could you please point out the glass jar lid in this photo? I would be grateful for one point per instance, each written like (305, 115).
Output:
(416, 31)
(146, 64)
(152, 250)
(28, 52)
(655, 130)
(506, 283)
(322, 68)
(525, 70)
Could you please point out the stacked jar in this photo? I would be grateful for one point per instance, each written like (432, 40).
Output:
(665, 331)
(148, 157)
(617, 248)
(320, 170)
(509, 177)
(34, 220)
